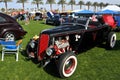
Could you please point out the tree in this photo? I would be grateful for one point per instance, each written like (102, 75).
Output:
(106, 4)
(72, 2)
(101, 4)
(88, 4)
(62, 2)
(50, 2)
(95, 4)
(80, 3)
(118, 5)
(23, 3)
(6, 5)
(3, 9)
(37, 2)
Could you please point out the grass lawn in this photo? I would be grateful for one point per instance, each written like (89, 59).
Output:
(94, 64)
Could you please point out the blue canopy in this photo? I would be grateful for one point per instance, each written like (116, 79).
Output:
(107, 12)
(117, 18)
(84, 12)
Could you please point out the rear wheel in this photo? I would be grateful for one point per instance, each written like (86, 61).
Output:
(67, 64)
(9, 36)
(111, 41)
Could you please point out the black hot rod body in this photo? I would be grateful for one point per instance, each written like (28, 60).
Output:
(64, 42)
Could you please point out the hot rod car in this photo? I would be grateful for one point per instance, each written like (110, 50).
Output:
(64, 42)
(53, 19)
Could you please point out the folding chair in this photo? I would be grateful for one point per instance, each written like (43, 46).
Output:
(12, 48)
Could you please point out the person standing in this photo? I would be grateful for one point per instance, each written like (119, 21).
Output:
(26, 18)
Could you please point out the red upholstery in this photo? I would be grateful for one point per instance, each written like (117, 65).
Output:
(108, 19)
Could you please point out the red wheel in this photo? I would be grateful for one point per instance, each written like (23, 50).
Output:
(67, 64)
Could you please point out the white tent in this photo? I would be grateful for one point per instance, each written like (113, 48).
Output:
(111, 7)
(32, 12)
(77, 10)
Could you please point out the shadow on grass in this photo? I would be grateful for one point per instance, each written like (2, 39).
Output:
(51, 69)
(49, 24)
(117, 46)
(42, 22)
(23, 52)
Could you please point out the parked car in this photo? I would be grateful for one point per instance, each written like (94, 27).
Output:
(10, 28)
(64, 42)
(38, 16)
(53, 19)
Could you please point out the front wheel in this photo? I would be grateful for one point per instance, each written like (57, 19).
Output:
(67, 64)
(31, 48)
(111, 41)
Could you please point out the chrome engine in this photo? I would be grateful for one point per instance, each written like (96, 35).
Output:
(62, 42)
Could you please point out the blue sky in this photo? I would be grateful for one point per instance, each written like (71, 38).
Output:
(55, 6)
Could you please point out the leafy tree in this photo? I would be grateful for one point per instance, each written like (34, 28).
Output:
(3, 9)
(72, 2)
(101, 4)
(106, 4)
(80, 3)
(6, 5)
(118, 5)
(37, 2)
(95, 4)
(62, 2)
(23, 3)
(50, 2)
(88, 4)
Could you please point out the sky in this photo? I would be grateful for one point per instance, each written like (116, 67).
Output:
(55, 6)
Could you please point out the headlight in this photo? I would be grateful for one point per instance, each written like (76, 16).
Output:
(50, 51)
(32, 44)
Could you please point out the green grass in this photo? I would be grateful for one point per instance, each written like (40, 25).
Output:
(94, 64)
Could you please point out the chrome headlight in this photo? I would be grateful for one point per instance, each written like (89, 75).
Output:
(32, 44)
(50, 51)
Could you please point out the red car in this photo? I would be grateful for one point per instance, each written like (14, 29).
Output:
(10, 28)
